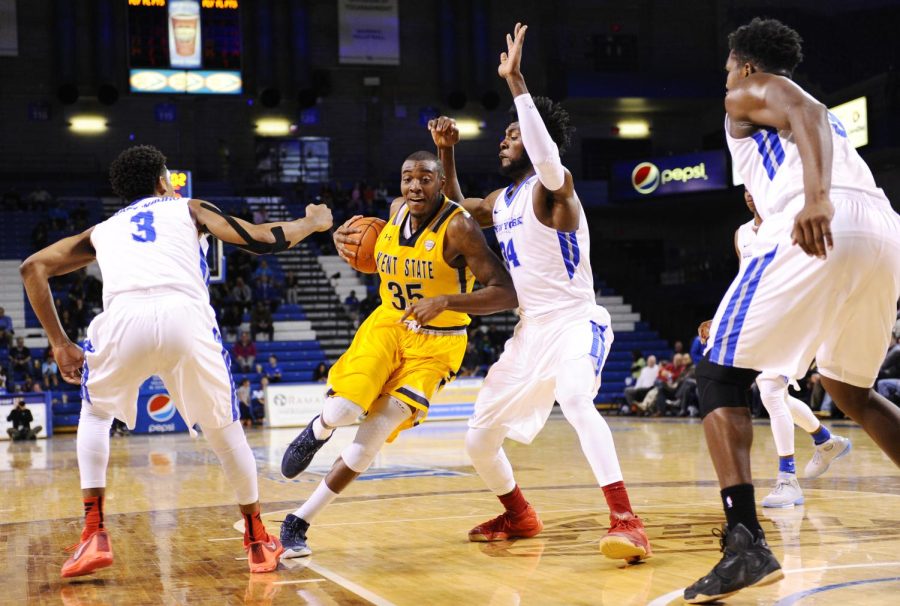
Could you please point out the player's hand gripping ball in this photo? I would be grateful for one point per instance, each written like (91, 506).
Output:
(355, 242)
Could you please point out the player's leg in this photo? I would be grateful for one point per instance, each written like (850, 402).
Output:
(385, 416)
(829, 446)
(747, 560)
(512, 402)
(773, 392)
(94, 550)
(202, 387)
(877, 415)
(519, 519)
(355, 382)
(577, 381)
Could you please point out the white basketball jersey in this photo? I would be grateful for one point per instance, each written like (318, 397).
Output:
(152, 244)
(746, 233)
(769, 163)
(551, 269)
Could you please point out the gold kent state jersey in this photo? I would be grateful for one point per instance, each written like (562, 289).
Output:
(414, 268)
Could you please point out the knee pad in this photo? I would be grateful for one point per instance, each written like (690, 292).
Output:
(383, 418)
(339, 412)
(483, 443)
(722, 386)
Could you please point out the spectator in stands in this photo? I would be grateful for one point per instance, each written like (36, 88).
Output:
(21, 419)
(261, 321)
(20, 357)
(272, 371)
(232, 317)
(320, 374)
(888, 383)
(263, 270)
(39, 199)
(6, 330)
(243, 396)
(677, 349)
(70, 326)
(80, 217)
(258, 402)
(241, 293)
(2, 380)
(245, 352)
(670, 379)
(699, 342)
(50, 373)
(291, 288)
(644, 383)
(638, 363)
(471, 361)
(351, 302)
(265, 291)
(39, 235)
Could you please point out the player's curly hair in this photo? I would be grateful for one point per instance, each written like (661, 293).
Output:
(555, 118)
(769, 44)
(134, 173)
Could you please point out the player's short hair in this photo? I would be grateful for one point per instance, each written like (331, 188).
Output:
(769, 44)
(426, 156)
(555, 118)
(134, 173)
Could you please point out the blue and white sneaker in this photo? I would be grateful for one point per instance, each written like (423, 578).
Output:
(832, 449)
(293, 537)
(786, 493)
(300, 452)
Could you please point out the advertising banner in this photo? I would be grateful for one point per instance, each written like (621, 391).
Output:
(369, 32)
(156, 412)
(654, 177)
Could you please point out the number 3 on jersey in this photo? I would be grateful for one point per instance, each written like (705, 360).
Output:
(509, 254)
(144, 231)
(412, 294)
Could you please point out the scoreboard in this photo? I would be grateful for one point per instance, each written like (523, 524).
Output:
(184, 46)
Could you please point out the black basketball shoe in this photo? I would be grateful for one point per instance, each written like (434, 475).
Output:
(293, 537)
(300, 452)
(746, 561)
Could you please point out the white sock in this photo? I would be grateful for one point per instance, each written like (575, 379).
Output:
(773, 392)
(321, 497)
(485, 449)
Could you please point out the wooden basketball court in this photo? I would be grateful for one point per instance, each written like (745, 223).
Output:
(398, 535)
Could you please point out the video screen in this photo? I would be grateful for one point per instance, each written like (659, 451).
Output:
(185, 46)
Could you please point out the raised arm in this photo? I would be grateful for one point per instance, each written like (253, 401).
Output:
(59, 258)
(565, 211)
(446, 135)
(465, 245)
(259, 239)
(770, 100)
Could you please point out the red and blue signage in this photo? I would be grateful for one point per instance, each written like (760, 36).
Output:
(654, 177)
(156, 410)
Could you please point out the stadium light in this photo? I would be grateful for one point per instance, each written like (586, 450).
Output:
(273, 127)
(469, 128)
(633, 129)
(87, 125)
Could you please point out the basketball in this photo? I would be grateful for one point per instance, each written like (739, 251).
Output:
(365, 251)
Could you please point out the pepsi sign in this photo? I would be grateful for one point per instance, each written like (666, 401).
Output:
(156, 410)
(654, 177)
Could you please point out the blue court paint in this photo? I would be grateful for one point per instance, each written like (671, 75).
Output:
(796, 597)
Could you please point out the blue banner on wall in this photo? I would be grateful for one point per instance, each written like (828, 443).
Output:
(654, 177)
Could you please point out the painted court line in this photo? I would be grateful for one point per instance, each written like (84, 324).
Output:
(666, 598)
(349, 585)
(225, 539)
(299, 581)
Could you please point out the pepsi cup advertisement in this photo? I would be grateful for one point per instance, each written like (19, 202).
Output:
(654, 177)
(156, 410)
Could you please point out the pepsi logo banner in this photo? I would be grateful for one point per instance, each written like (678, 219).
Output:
(653, 177)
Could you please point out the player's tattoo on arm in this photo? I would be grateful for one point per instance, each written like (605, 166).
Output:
(250, 244)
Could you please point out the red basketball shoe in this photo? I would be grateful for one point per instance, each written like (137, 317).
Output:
(90, 554)
(263, 556)
(508, 526)
(626, 539)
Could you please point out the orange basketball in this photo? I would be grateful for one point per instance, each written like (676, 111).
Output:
(365, 251)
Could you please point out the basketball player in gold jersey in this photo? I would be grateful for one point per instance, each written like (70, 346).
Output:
(412, 344)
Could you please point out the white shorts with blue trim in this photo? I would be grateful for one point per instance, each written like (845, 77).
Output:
(785, 308)
(158, 333)
(550, 358)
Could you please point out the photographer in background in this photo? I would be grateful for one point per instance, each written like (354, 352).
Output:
(21, 420)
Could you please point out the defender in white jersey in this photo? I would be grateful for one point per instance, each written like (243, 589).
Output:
(822, 281)
(563, 337)
(156, 320)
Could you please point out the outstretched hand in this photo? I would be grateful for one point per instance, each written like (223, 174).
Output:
(444, 131)
(511, 60)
